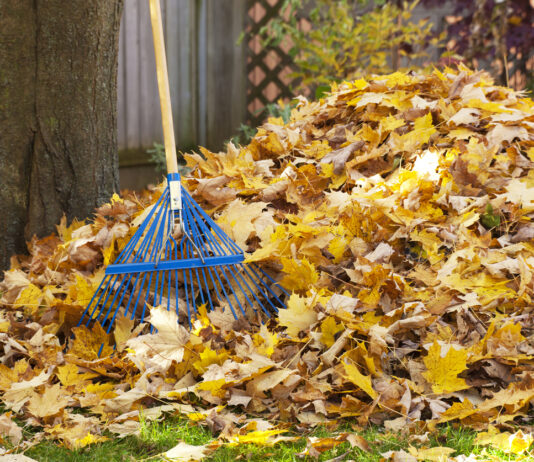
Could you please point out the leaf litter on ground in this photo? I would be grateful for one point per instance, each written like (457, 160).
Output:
(397, 211)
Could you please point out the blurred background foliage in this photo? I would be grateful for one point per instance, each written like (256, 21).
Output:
(495, 35)
(336, 40)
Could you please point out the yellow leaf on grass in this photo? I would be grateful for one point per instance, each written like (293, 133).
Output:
(90, 439)
(361, 381)
(299, 314)
(437, 454)
(443, 371)
(515, 443)
(260, 437)
(184, 452)
(300, 274)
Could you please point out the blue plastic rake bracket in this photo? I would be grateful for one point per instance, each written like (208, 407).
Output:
(187, 263)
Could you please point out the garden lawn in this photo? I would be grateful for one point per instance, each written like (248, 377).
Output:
(157, 437)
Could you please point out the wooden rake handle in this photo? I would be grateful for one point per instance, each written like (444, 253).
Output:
(163, 87)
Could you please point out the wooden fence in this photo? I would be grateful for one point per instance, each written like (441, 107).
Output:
(207, 72)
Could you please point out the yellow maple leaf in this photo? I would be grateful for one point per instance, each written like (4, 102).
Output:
(4, 326)
(208, 357)
(458, 411)
(361, 381)
(64, 231)
(260, 437)
(83, 289)
(390, 123)
(299, 314)
(238, 220)
(516, 443)
(69, 374)
(436, 454)
(329, 328)
(88, 343)
(90, 438)
(265, 341)
(317, 149)
(492, 107)
(359, 84)
(430, 242)
(102, 390)
(424, 128)
(49, 403)
(124, 326)
(300, 274)
(215, 387)
(116, 198)
(442, 372)
(109, 253)
(30, 297)
(337, 247)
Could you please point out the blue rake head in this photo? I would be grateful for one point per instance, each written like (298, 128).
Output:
(180, 258)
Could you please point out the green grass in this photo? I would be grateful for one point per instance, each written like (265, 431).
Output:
(157, 437)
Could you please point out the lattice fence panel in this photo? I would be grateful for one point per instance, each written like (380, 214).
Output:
(268, 68)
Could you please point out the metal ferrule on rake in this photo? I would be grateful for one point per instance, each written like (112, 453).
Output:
(178, 257)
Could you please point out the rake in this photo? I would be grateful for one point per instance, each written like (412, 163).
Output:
(179, 257)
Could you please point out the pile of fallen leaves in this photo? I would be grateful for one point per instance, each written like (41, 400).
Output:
(397, 212)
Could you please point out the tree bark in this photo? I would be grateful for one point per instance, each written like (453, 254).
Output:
(58, 114)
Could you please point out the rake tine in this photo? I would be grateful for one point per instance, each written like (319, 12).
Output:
(251, 269)
(253, 293)
(132, 292)
(231, 270)
(91, 302)
(148, 293)
(108, 292)
(116, 291)
(221, 268)
(119, 303)
(186, 289)
(125, 253)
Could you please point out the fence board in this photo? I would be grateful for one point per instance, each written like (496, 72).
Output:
(179, 15)
(226, 85)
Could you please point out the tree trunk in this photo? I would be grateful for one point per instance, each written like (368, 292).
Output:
(58, 114)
